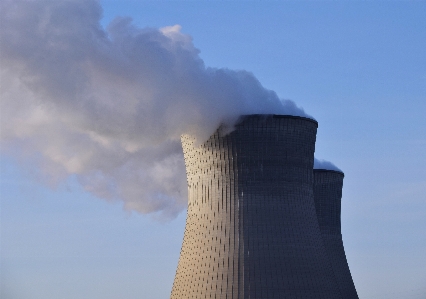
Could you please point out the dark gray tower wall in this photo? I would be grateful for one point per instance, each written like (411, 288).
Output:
(251, 228)
(328, 194)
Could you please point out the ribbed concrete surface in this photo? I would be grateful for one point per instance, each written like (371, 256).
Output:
(252, 229)
(328, 186)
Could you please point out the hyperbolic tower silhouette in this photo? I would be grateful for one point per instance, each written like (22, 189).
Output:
(252, 229)
(328, 194)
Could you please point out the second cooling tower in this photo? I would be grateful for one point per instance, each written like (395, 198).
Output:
(328, 194)
(252, 229)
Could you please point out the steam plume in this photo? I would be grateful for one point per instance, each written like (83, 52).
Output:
(109, 105)
(323, 164)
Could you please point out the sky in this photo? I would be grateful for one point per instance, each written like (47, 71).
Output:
(68, 230)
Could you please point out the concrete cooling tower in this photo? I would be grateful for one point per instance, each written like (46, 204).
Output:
(252, 229)
(328, 194)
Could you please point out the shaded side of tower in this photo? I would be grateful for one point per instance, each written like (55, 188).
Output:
(328, 194)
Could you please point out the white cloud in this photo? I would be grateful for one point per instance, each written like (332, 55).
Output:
(110, 105)
(324, 164)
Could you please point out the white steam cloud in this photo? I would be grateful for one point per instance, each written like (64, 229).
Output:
(323, 164)
(108, 106)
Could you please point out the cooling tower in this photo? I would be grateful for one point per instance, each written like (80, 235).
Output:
(328, 193)
(251, 228)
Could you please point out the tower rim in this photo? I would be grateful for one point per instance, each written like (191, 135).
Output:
(259, 115)
(329, 170)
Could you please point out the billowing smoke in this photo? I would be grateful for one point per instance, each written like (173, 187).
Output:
(108, 106)
(323, 164)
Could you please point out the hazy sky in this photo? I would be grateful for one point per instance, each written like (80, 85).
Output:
(358, 68)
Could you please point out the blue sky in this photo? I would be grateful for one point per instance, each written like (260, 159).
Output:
(359, 68)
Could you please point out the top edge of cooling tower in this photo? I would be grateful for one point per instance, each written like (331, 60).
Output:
(278, 116)
(329, 170)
